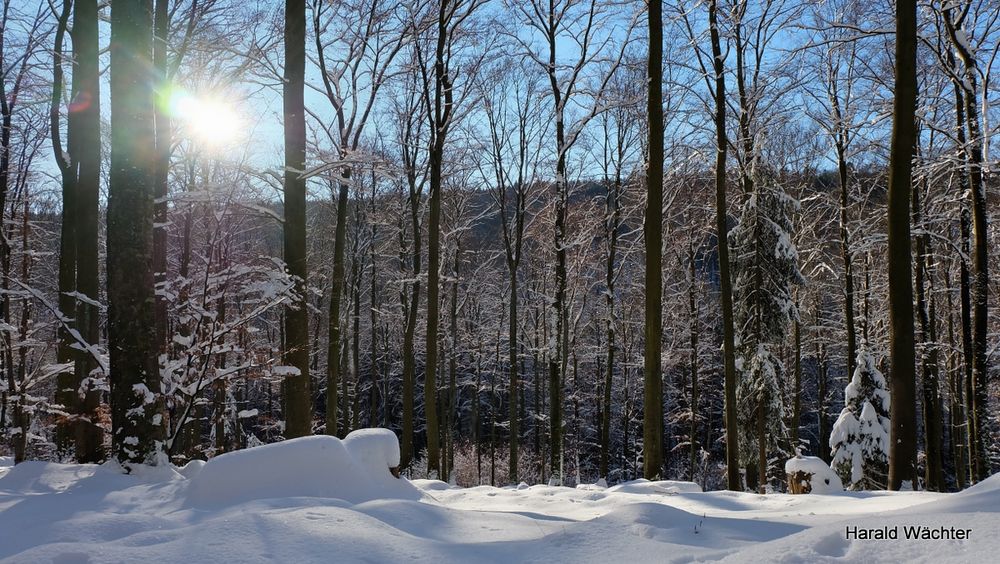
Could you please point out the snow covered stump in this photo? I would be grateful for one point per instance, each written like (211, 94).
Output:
(374, 449)
(809, 474)
(357, 469)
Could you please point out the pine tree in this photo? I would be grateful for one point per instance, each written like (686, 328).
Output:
(765, 267)
(860, 437)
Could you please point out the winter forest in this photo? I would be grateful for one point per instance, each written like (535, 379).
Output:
(557, 242)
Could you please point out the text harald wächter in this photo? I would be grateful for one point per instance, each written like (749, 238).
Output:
(909, 532)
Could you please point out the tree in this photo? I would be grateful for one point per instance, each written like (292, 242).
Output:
(973, 157)
(368, 38)
(903, 440)
(765, 266)
(297, 384)
(509, 97)
(588, 25)
(722, 229)
(652, 422)
(860, 437)
(451, 16)
(135, 383)
(78, 256)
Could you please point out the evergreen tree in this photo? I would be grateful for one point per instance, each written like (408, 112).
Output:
(765, 265)
(860, 437)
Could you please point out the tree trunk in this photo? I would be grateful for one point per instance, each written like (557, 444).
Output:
(135, 382)
(845, 247)
(410, 309)
(652, 420)
(67, 388)
(336, 292)
(694, 329)
(453, 374)
(980, 265)
(903, 439)
(797, 391)
(956, 411)
(933, 477)
(161, 21)
(965, 286)
(433, 311)
(722, 230)
(85, 146)
(298, 400)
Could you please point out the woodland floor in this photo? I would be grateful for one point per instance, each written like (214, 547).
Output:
(273, 510)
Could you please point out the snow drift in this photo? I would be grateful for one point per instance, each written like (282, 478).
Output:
(354, 470)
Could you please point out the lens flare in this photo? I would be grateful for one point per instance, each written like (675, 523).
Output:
(207, 120)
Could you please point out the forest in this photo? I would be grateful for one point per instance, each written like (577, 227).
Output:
(543, 241)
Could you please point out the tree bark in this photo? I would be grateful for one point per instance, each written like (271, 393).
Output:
(336, 293)
(980, 253)
(722, 230)
(903, 438)
(652, 420)
(67, 388)
(85, 149)
(135, 382)
(298, 400)
(933, 475)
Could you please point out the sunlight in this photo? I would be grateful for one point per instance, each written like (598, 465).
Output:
(207, 120)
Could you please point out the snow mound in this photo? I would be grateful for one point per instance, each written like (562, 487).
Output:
(192, 468)
(45, 477)
(824, 479)
(433, 485)
(643, 486)
(354, 470)
(375, 450)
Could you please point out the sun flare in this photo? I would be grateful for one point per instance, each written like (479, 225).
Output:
(207, 120)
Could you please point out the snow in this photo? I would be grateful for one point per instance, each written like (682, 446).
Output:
(824, 480)
(319, 499)
(320, 467)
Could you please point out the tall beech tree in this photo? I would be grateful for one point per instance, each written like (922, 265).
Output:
(652, 421)
(135, 383)
(722, 229)
(297, 383)
(80, 168)
(903, 439)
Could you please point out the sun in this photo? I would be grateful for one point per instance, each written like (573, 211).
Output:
(208, 120)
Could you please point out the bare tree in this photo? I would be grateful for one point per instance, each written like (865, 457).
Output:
(135, 382)
(903, 439)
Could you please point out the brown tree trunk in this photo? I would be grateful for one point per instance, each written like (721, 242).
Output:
(85, 148)
(722, 230)
(336, 292)
(652, 420)
(161, 22)
(694, 328)
(933, 476)
(297, 387)
(903, 438)
(135, 382)
(67, 388)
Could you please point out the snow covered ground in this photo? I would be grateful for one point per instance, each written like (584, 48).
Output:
(318, 499)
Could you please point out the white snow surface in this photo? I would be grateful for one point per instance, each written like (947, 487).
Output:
(317, 499)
